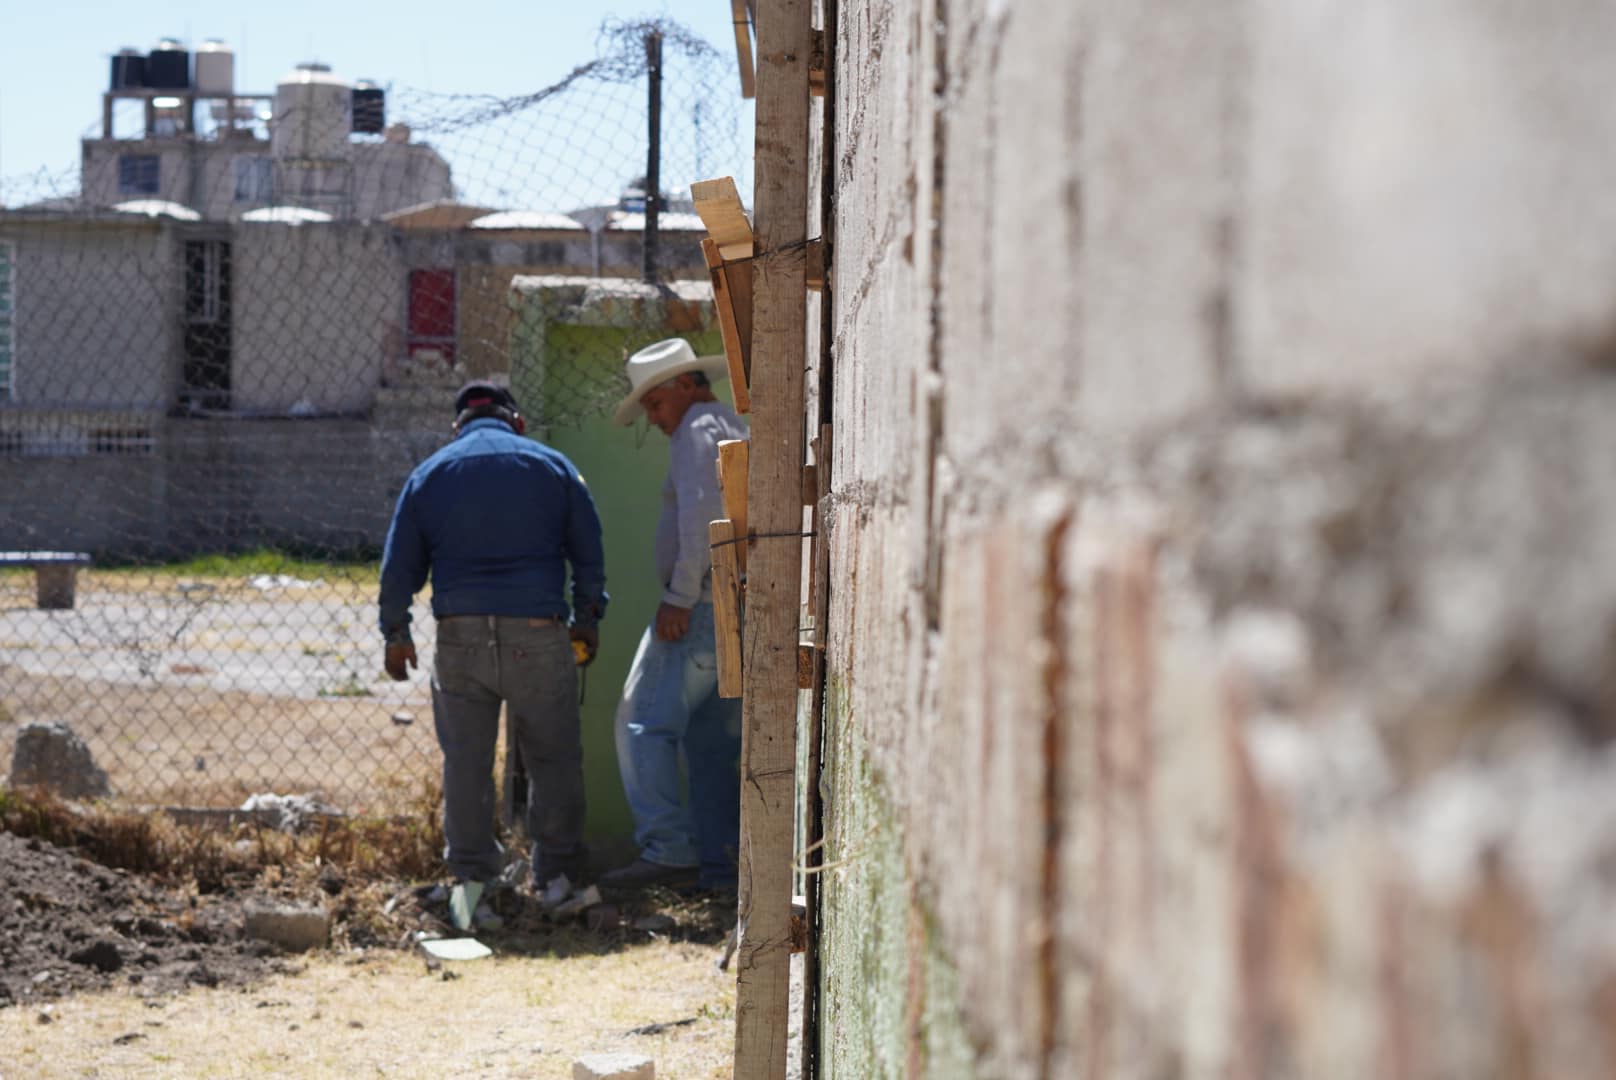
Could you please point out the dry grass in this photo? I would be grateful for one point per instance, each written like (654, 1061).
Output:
(366, 850)
(384, 1014)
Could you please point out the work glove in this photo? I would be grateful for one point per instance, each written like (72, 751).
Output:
(585, 643)
(400, 658)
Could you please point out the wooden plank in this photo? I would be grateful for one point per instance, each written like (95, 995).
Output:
(726, 606)
(774, 497)
(735, 346)
(805, 665)
(738, 281)
(719, 205)
(732, 464)
(810, 485)
(743, 47)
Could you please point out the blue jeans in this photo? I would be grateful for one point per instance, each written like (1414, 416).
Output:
(483, 661)
(671, 712)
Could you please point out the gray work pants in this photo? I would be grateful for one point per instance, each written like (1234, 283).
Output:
(482, 661)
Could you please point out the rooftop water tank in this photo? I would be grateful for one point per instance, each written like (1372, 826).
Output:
(369, 108)
(313, 115)
(128, 69)
(215, 69)
(168, 67)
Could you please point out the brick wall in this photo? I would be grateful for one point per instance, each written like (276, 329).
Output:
(1221, 601)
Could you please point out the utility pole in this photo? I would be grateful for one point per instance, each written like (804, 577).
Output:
(653, 154)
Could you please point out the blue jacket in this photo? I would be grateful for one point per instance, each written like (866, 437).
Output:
(495, 517)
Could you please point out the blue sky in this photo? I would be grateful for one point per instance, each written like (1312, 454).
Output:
(55, 54)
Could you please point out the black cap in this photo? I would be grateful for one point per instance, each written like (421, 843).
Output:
(481, 392)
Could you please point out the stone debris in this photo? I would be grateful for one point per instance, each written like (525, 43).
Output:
(468, 909)
(614, 1066)
(276, 582)
(103, 955)
(293, 927)
(463, 899)
(556, 890)
(51, 755)
(578, 903)
(460, 948)
(288, 813)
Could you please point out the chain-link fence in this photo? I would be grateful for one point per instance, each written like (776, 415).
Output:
(226, 340)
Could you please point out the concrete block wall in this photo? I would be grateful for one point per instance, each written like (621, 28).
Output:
(1221, 608)
(203, 486)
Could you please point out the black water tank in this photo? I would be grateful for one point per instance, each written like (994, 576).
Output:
(168, 67)
(369, 108)
(128, 69)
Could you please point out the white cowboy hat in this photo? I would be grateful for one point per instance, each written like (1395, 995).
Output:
(656, 364)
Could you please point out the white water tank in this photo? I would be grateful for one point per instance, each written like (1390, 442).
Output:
(313, 115)
(215, 69)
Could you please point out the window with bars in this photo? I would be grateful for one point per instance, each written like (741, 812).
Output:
(255, 179)
(205, 377)
(138, 174)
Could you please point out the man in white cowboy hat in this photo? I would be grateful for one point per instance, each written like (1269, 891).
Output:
(670, 709)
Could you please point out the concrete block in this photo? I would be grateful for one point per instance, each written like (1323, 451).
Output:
(51, 755)
(293, 927)
(614, 1066)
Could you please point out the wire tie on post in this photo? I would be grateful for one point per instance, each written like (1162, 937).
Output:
(763, 536)
(781, 250)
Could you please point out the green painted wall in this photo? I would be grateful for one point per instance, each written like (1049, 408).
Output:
(890, 995)
(567, 375)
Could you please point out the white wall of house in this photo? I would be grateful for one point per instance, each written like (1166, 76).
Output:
(318, 310)
(97, 312)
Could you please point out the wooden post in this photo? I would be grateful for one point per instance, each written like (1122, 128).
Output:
(773, 600)
(732, 457)
(743, 47)
(726, 606)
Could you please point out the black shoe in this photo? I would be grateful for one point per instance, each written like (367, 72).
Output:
(642, 874)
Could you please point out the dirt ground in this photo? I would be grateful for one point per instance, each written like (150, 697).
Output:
(106, 973)
(68, 925)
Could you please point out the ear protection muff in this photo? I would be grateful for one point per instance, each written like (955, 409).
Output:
(498, 412)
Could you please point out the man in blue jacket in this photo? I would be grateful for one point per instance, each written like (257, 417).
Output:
(496, 518)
